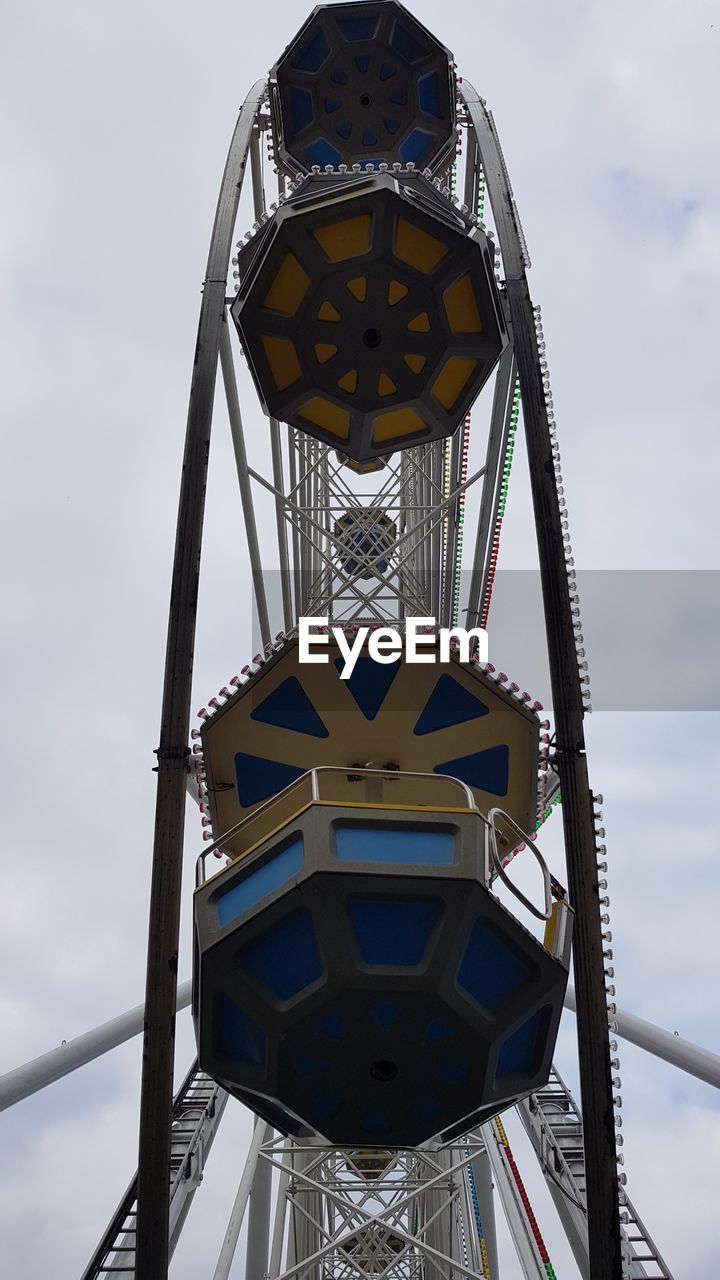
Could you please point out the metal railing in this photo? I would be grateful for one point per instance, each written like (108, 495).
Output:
(330, 784)
(500, 870)
(309, 789)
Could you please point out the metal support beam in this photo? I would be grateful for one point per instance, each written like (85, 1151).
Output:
(279, 485)
(492, 483)
(526, 1247)
(578, 820)
(436, 1213)
(33, 1076)
(482, 1173)
(256, 173)
(172, 752)
(238, 439)
(237, 1213)
(258, 1237)
(305, 1235)
(295, 532)
(281, 1202)
(667, 1045)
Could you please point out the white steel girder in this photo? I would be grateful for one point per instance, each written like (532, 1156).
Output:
(408, 1221)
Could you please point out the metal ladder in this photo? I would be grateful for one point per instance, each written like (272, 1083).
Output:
(553, 1124)
(197, 1109)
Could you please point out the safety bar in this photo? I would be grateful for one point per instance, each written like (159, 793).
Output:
(498, 866)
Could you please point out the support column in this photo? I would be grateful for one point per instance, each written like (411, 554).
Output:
(577, 808)
(258, 1238)
(305, 1215)
(482, 1172)
(172, 753)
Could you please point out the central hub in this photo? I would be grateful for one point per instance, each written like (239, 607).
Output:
(383, 1071)
(372, 338)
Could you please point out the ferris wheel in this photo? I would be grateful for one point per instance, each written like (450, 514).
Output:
(360, 982)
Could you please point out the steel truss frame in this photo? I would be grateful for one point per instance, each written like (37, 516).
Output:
(408, 1222)
(419, 492)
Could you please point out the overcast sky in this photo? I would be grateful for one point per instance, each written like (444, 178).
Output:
(114, 124)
